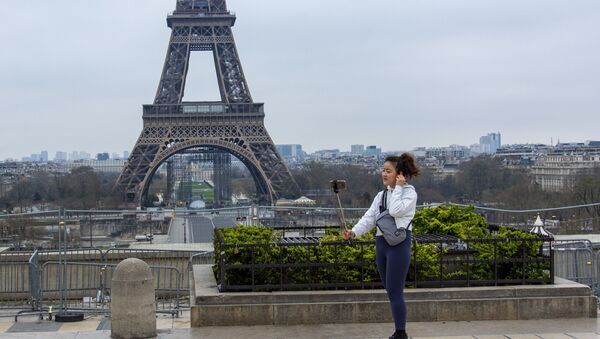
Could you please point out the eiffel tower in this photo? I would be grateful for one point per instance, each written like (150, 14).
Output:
(234, 125)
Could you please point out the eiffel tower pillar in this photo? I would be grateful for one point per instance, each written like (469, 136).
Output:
(234, 125)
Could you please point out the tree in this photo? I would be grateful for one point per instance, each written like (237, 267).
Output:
(44, 186)
(244, 186)
(82, 188)
(362, 183)
(477, 176)
(431, 189)
(21, 193)
(586, 190)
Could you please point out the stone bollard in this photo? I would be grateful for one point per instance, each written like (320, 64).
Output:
(133, 313)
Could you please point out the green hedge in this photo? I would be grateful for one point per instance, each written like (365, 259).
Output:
(432, 260)
(464, 223)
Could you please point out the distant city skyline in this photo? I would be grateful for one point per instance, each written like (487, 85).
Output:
(397, 74)
(61, 155)
(51, 154)
(287, 150)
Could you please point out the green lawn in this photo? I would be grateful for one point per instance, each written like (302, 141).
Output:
(197, 189)
(205, 190)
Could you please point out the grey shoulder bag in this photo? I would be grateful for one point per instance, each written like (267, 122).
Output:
(387, 224)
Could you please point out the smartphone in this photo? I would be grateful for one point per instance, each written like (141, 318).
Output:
(337, 185)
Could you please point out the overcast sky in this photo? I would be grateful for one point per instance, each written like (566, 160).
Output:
(399, 74)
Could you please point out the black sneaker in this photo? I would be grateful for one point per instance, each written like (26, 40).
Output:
(399, 335)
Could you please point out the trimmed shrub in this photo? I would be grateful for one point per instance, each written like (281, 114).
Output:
(331, 263)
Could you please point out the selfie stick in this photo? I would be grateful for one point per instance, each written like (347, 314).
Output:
(336, 190)
(341, 210)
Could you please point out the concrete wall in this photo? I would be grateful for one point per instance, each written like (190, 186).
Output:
(565, 299)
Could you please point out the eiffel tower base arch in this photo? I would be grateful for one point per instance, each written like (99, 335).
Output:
(249, 143)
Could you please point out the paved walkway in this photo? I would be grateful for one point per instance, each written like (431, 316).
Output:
(99, 327)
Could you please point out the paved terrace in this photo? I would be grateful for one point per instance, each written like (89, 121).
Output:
(98, 327)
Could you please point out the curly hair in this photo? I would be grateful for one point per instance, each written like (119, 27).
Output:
(405, 163)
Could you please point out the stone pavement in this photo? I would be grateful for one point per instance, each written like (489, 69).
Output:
(98, 327)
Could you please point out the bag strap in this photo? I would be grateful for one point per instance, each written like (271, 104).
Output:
(383, 202)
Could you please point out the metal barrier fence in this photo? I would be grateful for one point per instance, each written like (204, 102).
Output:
(32, 282)
(575, 264)
(573, 243)
(19, 287)
(35, 278)
(181, 260)
(15, 285)
(575, 260)
(87, 286)
(74, 285)
(596, 285)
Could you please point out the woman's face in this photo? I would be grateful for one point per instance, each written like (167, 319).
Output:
(389, 174)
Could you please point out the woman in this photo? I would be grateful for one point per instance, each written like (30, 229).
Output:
(393, 261)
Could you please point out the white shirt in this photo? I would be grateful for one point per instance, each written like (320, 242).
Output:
(401, 203)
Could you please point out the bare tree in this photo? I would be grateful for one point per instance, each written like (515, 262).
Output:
(586, 190)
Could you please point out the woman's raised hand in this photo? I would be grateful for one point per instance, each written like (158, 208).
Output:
(400, 179)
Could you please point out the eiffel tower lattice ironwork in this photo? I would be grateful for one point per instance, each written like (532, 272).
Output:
(234, 125)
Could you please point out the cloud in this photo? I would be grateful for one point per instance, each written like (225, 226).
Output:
(398, 74)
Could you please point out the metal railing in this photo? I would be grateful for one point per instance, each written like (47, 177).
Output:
(101, 227)
(280, 275)
(97, 228)
(566, 219)
(203, 108)
(468, 262)
(204, 258)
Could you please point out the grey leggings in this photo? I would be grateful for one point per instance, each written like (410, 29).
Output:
(392, 263)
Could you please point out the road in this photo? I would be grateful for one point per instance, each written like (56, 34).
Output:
(176, 233)
(197, 228)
